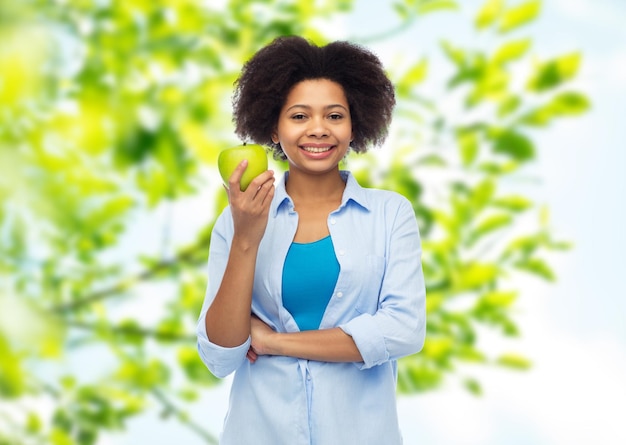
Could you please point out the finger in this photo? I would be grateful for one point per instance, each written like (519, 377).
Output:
(263, 189)
(260, 180)
(267, 197)
(251, 356)
(234, 180)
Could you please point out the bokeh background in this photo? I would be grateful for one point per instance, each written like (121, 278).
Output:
(507, 139)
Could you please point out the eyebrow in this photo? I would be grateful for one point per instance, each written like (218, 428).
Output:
(308, 107)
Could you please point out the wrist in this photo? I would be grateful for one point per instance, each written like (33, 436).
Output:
(273, 344)
(244, 245)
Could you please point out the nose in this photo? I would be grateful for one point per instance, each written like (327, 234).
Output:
(317, 127)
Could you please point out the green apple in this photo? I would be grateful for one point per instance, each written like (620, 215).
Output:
(230, 158)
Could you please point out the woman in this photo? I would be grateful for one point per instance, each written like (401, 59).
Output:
(315, 285)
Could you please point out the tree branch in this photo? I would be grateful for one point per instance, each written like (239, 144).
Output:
(170, 408)
(387, 34)
(134, 330)
(186, 255)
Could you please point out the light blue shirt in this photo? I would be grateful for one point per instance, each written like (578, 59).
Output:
(379, 300)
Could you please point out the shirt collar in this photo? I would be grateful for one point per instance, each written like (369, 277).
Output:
(352, 193)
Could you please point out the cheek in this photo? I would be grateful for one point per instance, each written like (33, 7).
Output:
(284, 131)
(348, 134)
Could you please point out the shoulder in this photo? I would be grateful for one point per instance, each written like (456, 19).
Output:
(389, 200)
(388, 196)
(392, 207)
(374, 199)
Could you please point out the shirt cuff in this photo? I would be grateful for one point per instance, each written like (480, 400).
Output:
(220, 360)
(368, 339)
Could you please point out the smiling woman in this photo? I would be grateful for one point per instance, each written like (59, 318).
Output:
(311, 319)
(267, 79)
(314, 126)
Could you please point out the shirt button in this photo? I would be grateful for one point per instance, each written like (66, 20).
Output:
(341, 252)
(339, 294)
(333, 221)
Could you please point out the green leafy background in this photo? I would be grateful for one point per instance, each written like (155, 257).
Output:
(111, 117)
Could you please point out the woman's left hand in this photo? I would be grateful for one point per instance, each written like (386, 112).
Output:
(261, 335)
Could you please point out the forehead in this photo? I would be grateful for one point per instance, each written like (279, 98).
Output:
(313, 92)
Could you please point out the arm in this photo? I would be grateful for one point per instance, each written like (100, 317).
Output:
(223, 346)
(395, 330)
(328, 345)
(398, 326)
(227, 319)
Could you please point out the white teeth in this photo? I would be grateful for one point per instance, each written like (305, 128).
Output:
(316, 149)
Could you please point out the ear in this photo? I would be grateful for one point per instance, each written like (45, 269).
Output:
(275, 137)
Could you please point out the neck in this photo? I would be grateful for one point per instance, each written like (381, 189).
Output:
(311, 188)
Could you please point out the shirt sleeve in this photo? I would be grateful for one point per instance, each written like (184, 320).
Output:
(398, 327)
(219, 360)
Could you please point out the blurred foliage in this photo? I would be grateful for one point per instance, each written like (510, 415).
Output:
(112, 113)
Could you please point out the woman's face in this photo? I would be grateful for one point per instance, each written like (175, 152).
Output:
(314, 126)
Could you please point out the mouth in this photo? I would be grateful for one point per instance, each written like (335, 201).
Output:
(316, 148)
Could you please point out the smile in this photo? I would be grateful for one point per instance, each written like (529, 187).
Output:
(316, 149)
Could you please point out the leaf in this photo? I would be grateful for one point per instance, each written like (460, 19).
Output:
(403, 181)
(428, 6)
(514, 361)
(473, 386)
(537, 267)
(12, 375)
(416, 377)
(482, 194)
(432, 160)
(499, 299)
(415, 75)
(456, 55)
(498, 168)
(553, 73)
(515, 203)
(143, 375)
(490, 224)
(468, 146)
(437, 348)
(515, 145)
(522, 247)
(34, 423)
(402, 10)
(508, 105)
(470, 354)
(60, 437)
(488, 13)
(491, 82)
(511, 51)
(563, 104)
(475, 275)
(560, 245)
(570, 103)
(519, 15)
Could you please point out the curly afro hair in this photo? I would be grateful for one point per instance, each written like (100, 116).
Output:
(268, 77)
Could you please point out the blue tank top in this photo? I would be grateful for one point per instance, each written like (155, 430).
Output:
(309, 277)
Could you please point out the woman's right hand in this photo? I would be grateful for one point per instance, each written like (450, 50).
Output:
(250, 208)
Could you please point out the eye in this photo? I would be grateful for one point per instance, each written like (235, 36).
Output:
(335, 116)
(298, 116)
